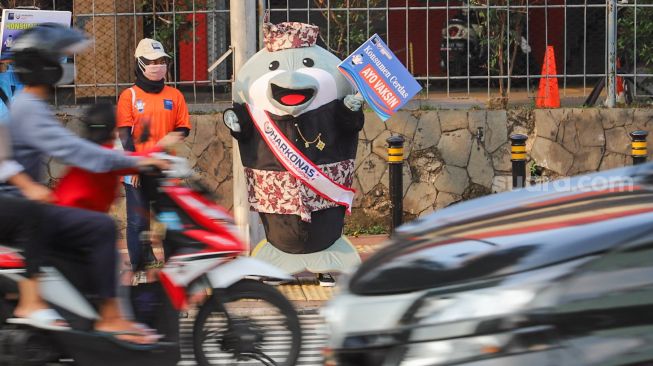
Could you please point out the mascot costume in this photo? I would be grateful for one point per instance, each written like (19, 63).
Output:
(297, 119)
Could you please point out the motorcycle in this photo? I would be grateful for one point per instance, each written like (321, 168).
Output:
(242, 319)
(464, 49)
(460, 49)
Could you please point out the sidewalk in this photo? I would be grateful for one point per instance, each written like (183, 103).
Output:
(307, 294)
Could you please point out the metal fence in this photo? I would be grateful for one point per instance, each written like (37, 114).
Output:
(455, 48)
(193, 32)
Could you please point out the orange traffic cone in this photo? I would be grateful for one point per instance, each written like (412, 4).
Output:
(548, 95)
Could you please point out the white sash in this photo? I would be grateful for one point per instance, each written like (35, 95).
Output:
(296, 163)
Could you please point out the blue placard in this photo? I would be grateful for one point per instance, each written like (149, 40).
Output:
(15, 21)
(380, 77)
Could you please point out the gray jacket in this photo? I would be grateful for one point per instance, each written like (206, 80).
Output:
(37, 135)
(8, 167)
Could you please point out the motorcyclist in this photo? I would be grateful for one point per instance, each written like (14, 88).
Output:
(37, 135)
(21, 223)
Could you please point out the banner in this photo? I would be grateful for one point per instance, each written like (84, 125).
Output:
(380, 77)
(14, 21)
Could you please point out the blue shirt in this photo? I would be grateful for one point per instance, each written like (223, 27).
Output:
(10, 86)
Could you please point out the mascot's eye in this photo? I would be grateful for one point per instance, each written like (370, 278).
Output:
(273, 65)
(308, 62)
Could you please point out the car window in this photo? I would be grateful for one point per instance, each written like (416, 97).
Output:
(609, 302)
(626, 269)
(428, 267)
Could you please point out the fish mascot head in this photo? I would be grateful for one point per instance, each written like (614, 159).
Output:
(291, 75)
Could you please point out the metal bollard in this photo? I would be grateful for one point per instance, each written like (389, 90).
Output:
(518, 158)
(638, 151)
(396, 162)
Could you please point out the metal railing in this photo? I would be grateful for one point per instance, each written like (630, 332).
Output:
(474, 48)
(455, 48)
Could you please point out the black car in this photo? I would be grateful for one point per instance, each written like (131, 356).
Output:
(557, 274)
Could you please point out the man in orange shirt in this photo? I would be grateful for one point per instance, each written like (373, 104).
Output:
(146, 113)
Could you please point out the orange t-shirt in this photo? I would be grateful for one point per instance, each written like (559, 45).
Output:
(163, 112)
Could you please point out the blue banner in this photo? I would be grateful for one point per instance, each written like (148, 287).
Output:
(380, 77)
(15, 21)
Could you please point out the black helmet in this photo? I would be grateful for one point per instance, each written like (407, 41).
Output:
(99, 122)
(38, 53)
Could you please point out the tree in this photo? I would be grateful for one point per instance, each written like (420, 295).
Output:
(626, 35)
(166, 27)
(341, 35)
(502, 35)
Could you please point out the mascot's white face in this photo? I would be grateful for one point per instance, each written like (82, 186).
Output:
(291, 81)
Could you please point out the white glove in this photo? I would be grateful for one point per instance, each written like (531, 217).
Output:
(230, 120)
(354, 102)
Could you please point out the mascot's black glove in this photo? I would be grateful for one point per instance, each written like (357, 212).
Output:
(354, 102)
(230, 120)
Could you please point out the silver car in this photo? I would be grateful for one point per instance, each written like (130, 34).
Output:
(549, 275)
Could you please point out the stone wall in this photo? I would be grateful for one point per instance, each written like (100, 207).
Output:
(451, 155)
(574, 141)
(208, 149)
(448, 160)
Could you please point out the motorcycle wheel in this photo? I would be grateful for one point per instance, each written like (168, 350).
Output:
(250, 323)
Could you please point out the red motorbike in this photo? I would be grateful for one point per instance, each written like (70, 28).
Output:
(243, 319)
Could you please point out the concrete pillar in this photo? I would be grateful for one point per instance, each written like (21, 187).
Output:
(243, 40)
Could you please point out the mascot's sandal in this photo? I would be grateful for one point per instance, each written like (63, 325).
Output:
(297, 119)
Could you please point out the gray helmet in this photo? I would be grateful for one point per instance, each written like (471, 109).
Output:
(38, 52)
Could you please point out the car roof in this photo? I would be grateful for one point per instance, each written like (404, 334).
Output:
(512, 232)
(547, 194)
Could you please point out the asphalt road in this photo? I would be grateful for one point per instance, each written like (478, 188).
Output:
(314, 338)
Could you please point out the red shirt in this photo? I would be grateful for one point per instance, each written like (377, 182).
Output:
(92, 191)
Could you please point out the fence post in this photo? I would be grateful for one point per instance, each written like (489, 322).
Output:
(396, 162)
(638, 152)
(611, 87)
(518, 158)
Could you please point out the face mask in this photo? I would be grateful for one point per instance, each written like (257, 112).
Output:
(153, 72)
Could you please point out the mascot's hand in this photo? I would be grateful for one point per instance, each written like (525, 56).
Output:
(354, 102)
(230, 120)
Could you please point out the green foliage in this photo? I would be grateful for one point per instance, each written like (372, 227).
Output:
(429, 107)
(500, 33)
(357, 230)
(534, 169)
(626, 34)
(340, 36)
(168, 28)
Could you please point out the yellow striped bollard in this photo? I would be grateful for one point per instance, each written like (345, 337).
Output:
(518, 158)
(396, 162)
(638, 151)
